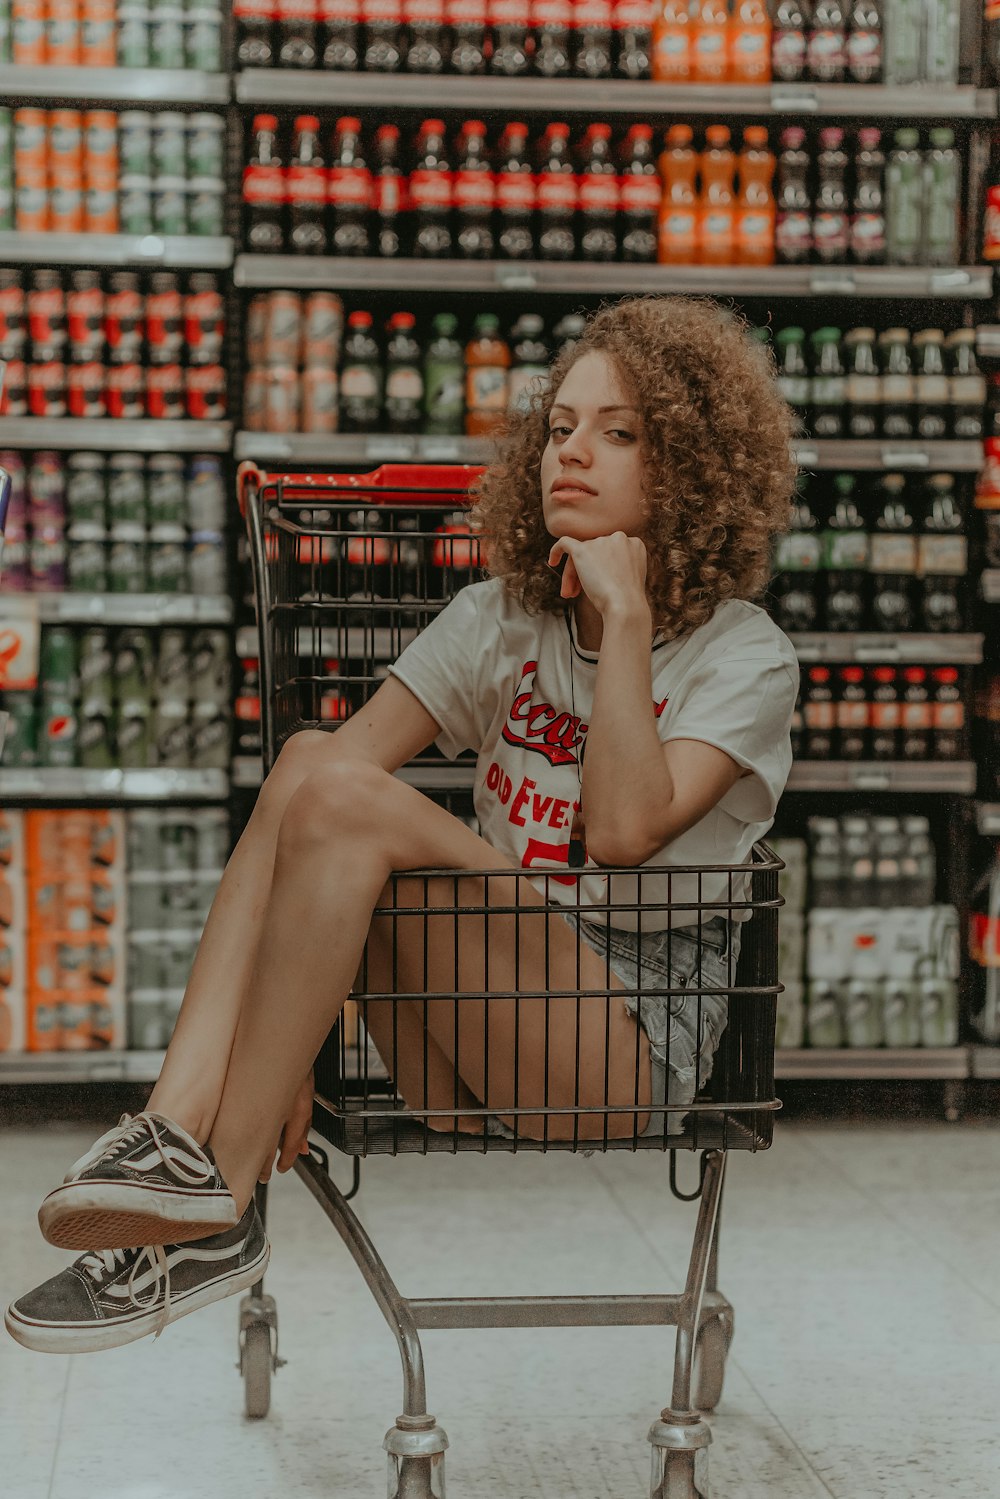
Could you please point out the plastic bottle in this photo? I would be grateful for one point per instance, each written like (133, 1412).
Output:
(307, 189)
(385, 39)
(863, 389)
(593, 32)
(755, 211)
(672, 30)
(904, 199)
(551, 21)
(515, 194)
(966, 386)
(831, 225)
(828, 388)
(569, 330)
(846, 557)
(798, 558)
(404, 381)
(717, 203)
(867, 209)
(529, 366)
(430, 194)
(341, 33)
(864, 42)
(942, 557)
(893, 558)
(556, 196)
(349, 191)
(827, 44)
(819, 713)
(709, 41)
(255, 21)
(424, 20)
(885, 713)
(852, 713)
(472, 193)
(598, 196)
(897, 383)
(633, 29)
(466, 21)
(941, 41)
(360, 376)
(510, 23)
(792, 21)
(264, 189)
(903, 45)
(930, 385)
(444, 378)
(298, 35)
(487, 361)
(750, 42)
(942, 171)
(793, 236)
(389, 187)
(640, 195)
(793, 370)
(678, 224)
(915, 714)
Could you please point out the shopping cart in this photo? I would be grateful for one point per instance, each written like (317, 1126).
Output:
(346, 570)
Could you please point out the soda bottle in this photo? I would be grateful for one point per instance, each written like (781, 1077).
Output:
(360, 376)
(864, 42)
(430, 194)
(633, 28)
(915, 715)
(529, 365)
(515, 194)
(897, 383)
(424, 20)
(755, 211)
(592, 38)
(846, 558)
(819, 714)
(904, 41)
(307, 189)
(966, 386)
(254, 20)
(466, 29)
(264, 189)
(942, 556)
(828, 387)
(389, 188)
(510, 21)
(473, 194)
(298, 34)
(867, 212)
(679, 220)
(568, 331)
(444, 378)
(853, 713)
(798, 558)
(550, 23)
(556, 192)
(792, 21)
(385, 39)
(404, 381)
(826, 48)
(830, 225)
(672, 60)
(750, 42)
(942, 170)
(984, 948)
(640, 195)
(893, 558)
(941, 41)
(487, 361)
(885, 713)
(793, 236)
(341, 32)
(930, 385)
(863, 386)
(349, 191)
(709, 41)
(793, 371)
(717, 204)
(598, 196)
(904, 199)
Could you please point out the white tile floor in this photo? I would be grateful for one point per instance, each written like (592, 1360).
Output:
(861, 1261)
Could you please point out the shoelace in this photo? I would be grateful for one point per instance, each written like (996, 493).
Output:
(129, 1130)
(102, 1264)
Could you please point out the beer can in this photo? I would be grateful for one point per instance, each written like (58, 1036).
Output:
(210, 669)
(165, 392)
(205, 389)
(28, 45)
(95, 740)
(21, 743)
(46, 490)
(85, 312)
(123, 308)
(47, 385)
(31, 209)
(213, 839)
(133, 36)
(323, 325)
(124, 391)
(166, 559)
(211, 734)
(85, 389)
(96, 670)
(178, 842)
(62, 34)
(282, 399)
(100, 148)
(170, 735)
(205, 493)
(203, 32)
(66, 147)
(13, 312)
(132, 738)
(57, 730)
(207, 563)
(16, 562)
(171, 672)
(132, 669)
(255, 399)
(166, 491)
(97, 37)
(127, 504)
(169, 145)
(47, 310)
(283, 331)
(205, 210)
(86, 489)
(14, 399)
(127, 560)
(204, 319)
(135, 204)
(164, 318)
(143, 830)
(66, 210)
(170, 205)
(17, 510)
(87, 561)
(47, 560)
(31, 145)
(100, 210)
(135, 143)
(319, 400)
(206, 145)
(257, 320)
(166, 38)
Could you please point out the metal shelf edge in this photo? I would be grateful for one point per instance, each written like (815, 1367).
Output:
(127, 85)
(132, 608)
(955, 778)
(845, 1064)
(210, 251)
(109, 434)
(80, 1066)
(48, 783)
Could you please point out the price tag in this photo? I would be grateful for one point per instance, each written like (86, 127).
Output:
(947, 281)
(509, 279)
(906, 458)
(150, 247)
(391, 447)
(440, 450)
(806, 454)
(885, 651)
(869, 778)
(790, 98)
(833, 283)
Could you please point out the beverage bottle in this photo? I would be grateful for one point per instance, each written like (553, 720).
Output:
(593, 34)
(556, 196)
(633, 29)
(306, 180)
(863, 387)
(885, 713)
(298, 34)
(264, 189)
(444, 378)
(679, 219)
(404, 381)
(798, 558)
(529, 365)
(904, 28)
(349, 191)
(904, 200)
(819, 715)
(473, 194)
(360, 376)
(831, 224)
(709, 41)
(424, 20)
(487, 362)
(826, 48)
(385, 39)
(853, 713)
(846, 558)
(984, 949)
(867, 211)
(551, 21)
(568, 331)
(941, 41)
(515, 194)
(755, 210)
(915, 714)
(466, 30)
(254, 20)
(793, 371)
(930, 385)
(510, 22)
(919, 862)
(826, 863)
(942, 556)
(341, 33)
(717, 203)
(750, 42)
(672, 58)
(859, 861)
(966, 386)
(389, 188)
(792, 21)
(641, 194)
(897, 383)
(828, 387)
(942, 196)
(793, 234)
(429, 194)
(864, 42)
(893, 558)
(598, 196)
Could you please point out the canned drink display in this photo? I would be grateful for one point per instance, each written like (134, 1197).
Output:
(166, 38)
(207, 563)
(62, 34)
(132, 670)
(323, 326)
(46, 305)
(131, 737)
(255, 399)
(31, 145)
(206, 145)
(57, 667)
(282, 399)
(164, 318)
(210, 669)
(86, 489)
(14, 401)
(87, 560)
(169, 145)
(126, 490)
(213, 839)
(127, 560)
(13, 312)
(166, 559)
(96, 671)
(100, 148)
(204, 319)
(97, 36)
(203, 31)
(143, 831)
(85, 389)
(205, 210)
(170, 680)
(16, 562)
(28, 45)
(95, 746)
(256, 325)
(17, 511)
(211, 734)
(135, 204)
(21, 743)
(124, 391)
(135, 143)
(47, 553)
(31, 209)
(165, 391)
(170, 197)
(205, 495)
(85, 313)
(123, 310)
(66, 210)
(133, 37)
(47, 385)
(100, 211)
(178, 842)
(283, 329)
(65, 147)
(46, 489)
(170, 735)
(319, 399)
(57, 730)
(165, 490)
(205, 390)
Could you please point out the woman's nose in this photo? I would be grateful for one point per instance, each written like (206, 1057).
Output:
(576, 448)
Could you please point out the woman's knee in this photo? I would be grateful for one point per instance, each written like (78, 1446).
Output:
(347, 798)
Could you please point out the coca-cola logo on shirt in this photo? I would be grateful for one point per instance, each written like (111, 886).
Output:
(544, 729)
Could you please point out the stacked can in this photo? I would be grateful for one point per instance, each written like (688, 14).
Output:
(288, 334)
(65, 171)
(103, 34)
(172, 173)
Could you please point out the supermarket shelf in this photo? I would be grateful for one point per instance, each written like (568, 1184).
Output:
(114, 85)
(951, 650)
(132, 608)
(80, 1067)
(347, 273)
(46, 783)
(198, 250)
(989, 583)
(380, 644)
(71, 433)
(988, 819)
(988, 340)
(246, 774)
(984, 1061)
(939, 457)
(957, 776)
(859, 1063)
(572, 96)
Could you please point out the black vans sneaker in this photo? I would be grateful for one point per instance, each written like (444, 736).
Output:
(113, 1296)
(144, 1182)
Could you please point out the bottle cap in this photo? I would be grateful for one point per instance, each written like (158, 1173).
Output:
(305, 122)
(717, 137)
(907, 139)
(941, 137)
(349, 122)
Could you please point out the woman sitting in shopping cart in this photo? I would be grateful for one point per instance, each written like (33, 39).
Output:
(628, 526)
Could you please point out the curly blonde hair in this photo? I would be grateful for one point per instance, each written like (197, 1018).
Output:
(720, 473)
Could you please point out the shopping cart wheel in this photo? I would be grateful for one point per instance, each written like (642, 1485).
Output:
(258, 1352)
(710, 1352)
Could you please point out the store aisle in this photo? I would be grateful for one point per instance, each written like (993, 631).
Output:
(861, 1261)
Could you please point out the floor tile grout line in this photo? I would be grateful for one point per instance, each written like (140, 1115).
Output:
(59, 1428)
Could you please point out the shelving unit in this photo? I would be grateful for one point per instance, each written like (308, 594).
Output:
(153, 251)
(68, 434)
(51, 784)
(176, 86)
(132, 608)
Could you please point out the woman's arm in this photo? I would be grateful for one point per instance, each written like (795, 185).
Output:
(389, 730)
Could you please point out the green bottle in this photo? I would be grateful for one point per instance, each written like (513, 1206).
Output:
(942, 187)
(904, 200)
(444, 378)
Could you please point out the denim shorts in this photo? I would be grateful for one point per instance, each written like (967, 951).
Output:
(684, 1030)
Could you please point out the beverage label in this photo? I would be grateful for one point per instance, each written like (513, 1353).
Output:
(750, 59)
(509, 12)
(473, 190)
(893, 554)
(755, 229)
(708, 54)
(597, 193)
(917, 715)
(404, 383)
(788, 55)
(596, 13)
(465, 12)
(819, 714)
(864, 55)
(486, 387)
(863, 390)
(672, 54)
(798, 552)
(793, 235)
(939, 555)
(263, 184)
(389, 194)
(717, 227)
(382, 10)
(640, 194)
(885, 715)
(551, 14)
(430, 189)
(634, 15)
(556, 190)
(423, 12)
(897, 390)
(306, 185)
(830, 234)
(333, 11)
(359, 382)
(846, 550)
(948, 715)
(827, 54)
(967, 390)
(867, 235)
(349, 186)
(852, 715)
(515, 190)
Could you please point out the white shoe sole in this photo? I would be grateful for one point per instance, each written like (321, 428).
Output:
(91, 1337)
(126, 1215)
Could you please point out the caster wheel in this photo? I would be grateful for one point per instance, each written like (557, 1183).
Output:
(710, 1362)
(256, 1360)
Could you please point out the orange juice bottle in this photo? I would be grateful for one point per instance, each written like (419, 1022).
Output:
(678, 222)
(672, 41)
(750, 43)
(710, 41)
(755, 208)
(717, 205)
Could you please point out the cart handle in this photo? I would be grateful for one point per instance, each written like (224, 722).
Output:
(248, 473)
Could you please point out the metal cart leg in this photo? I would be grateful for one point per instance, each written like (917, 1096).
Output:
(680, 1438)
(258, 1338)
(715, 1335)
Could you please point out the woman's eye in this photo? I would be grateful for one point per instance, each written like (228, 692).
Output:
(621, 432)
(560, 431)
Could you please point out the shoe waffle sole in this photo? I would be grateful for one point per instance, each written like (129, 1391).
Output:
(130, 1217)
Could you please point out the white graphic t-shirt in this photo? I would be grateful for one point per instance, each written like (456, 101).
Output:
(497, 681)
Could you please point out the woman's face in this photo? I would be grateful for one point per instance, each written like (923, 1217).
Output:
(592, 465)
